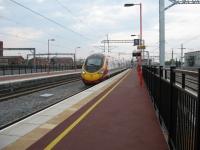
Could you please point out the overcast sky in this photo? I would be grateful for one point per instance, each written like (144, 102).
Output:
(85, 23)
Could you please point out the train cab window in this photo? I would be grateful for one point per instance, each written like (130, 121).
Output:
(94, 63)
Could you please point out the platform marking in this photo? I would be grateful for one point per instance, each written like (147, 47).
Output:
(84, 115)
(46, 95)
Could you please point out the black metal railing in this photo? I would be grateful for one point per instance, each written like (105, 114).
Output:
(177, 103)
(26, 69)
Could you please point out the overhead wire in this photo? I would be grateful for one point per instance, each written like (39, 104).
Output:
(49, 19)
(36, 41)
(74, 16)
(191, 39)
(18, 23)
(10, 20)
(68, 10)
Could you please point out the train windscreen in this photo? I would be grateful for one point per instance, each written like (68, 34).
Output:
(93, 63)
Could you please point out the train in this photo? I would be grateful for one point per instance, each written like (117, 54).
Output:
(98, 67)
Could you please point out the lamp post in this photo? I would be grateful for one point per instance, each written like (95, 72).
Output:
(140, 4)
(75, 57)
(141, 34)
(133, 35)
(48, 53)
(138, 36)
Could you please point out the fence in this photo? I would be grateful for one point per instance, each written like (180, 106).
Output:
(25, 69)
(177, 105)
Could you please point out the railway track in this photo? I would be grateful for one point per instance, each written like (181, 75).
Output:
(34, 111)
(26, 91)
(22, 108)
(191, 83)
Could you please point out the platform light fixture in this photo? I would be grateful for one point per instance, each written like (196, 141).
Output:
(128, 5)
(140, 4)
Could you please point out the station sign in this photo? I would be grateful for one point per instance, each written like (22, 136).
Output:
(136, 42)
(141, 47)
(136, 54)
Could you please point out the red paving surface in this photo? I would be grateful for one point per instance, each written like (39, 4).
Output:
(124, 120)
(28, 76)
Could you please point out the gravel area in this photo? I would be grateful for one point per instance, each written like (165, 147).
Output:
(16, 108)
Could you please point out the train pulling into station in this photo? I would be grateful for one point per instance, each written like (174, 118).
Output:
(98, 67)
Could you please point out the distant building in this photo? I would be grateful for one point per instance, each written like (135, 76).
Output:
(62, 61)
(192, 59)
(3, 61)
(80, 62)
(39, 61)
(12, 60)
(53, 61)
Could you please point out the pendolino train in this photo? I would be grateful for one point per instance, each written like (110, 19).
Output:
(98, 67)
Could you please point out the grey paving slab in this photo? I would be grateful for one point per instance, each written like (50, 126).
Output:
(38, 119)
(20, 129)
(6, 140)
(53, 111)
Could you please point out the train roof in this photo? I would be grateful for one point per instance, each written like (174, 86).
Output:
(104, 55)
(101, 54)
(97, 54)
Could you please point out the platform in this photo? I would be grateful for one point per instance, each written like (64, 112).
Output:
(21, 77)
(14, 83)
(120, 117)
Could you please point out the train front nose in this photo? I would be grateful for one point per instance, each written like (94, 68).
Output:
(92, 69)
(91, 77)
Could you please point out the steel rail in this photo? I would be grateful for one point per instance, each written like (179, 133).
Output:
(34, 112)
(26, 91)
(42, 88)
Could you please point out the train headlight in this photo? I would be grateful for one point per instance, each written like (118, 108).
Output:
(83, 72)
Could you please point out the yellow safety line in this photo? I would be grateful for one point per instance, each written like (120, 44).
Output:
(74, 124)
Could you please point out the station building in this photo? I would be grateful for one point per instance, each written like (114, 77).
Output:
(62, 61)
(19, 60)
(12, 60)
(53, 61)
(192, 59)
